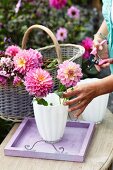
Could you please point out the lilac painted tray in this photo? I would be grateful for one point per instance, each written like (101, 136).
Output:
(26, 142)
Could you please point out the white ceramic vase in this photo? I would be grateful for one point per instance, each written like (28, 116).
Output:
(95, 111)
(51, 119)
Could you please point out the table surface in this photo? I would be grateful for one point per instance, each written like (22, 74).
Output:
(98, 157)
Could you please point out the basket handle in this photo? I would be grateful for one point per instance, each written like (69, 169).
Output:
(50, 33)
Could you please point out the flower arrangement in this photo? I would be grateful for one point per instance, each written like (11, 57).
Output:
(39, 82)
(25, 67)
(15, 63)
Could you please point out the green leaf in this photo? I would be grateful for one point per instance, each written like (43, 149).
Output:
(62, 88)
(42, 102)
(52, 64)
(5, 2)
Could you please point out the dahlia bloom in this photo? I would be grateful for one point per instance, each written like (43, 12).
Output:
(73, 12)
(25, 60)
(37, 56)
(69, 73)
(38, 82)
(61, 34)
(86, 55)
(87, 43)
(58, 4)
(12, 50)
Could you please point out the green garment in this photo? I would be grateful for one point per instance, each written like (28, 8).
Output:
(106, 10)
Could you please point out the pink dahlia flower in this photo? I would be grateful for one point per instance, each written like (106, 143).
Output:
(17, 81)
(69, 73)
(86, 55)
(87, 43)
(38, 82)
(24, 61)
(58, 4)
(73, 12)
(61, 34)
(12, 50)
(37, 56)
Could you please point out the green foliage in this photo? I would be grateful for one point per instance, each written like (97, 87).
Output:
(14, 25)
(41, 101)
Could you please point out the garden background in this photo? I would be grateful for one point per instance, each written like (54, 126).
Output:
(74, 21)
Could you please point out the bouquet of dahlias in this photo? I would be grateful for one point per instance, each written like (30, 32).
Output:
(25, 67)
(22, 72)
(39, 82)
(15, 101)
(15, 63)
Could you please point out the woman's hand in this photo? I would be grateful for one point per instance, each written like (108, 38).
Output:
(102, 52)
(81, 96)
(97, 42)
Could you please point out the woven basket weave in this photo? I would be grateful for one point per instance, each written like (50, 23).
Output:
(15, 102)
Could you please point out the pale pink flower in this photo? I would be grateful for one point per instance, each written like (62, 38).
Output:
(58, 4)
(24, 61)
(12, 50)
(6, 61)
(69, 73)
(73, 12)
(4, 73)
(61, 34)
(38, 82)
(18, 5)
(17, 81)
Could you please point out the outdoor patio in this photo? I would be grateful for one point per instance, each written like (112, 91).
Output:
(39, 35)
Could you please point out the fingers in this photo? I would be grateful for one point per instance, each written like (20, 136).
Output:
(77, 106)
(111, 60)
(96, 43)
(71, 93)
(73, 101)
(98, 68)
(79, 112)
(105, 63)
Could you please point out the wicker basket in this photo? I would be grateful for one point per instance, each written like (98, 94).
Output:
(57, 51)
(15, 102)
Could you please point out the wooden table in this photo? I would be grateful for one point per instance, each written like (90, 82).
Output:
(99, 155)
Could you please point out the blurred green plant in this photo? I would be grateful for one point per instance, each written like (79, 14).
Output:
(13, 25)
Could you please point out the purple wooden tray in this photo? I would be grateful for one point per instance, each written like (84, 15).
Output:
(26, 142)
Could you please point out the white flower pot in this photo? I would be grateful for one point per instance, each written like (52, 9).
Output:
(51, 120)
(96, 109)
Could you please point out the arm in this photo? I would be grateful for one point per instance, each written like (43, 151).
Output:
(102, 50)
(101, 34)
(83, 94)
